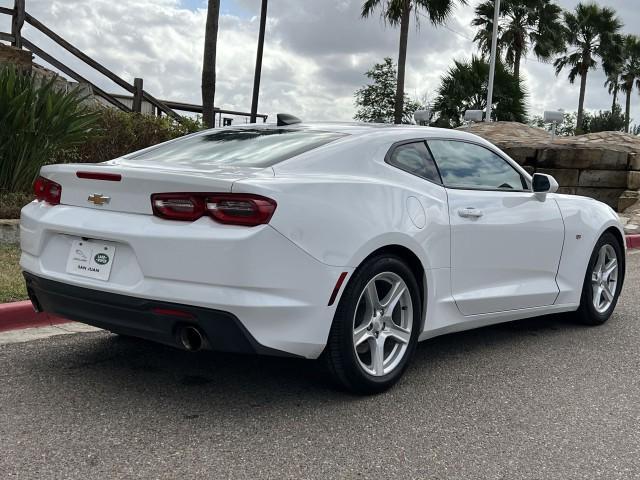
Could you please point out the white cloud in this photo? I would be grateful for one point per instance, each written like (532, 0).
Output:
(315, 53)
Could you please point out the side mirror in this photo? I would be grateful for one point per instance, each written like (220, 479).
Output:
(543, 183)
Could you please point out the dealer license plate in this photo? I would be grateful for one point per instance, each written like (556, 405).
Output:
(89, 258)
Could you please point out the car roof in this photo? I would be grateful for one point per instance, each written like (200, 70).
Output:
(376, 129)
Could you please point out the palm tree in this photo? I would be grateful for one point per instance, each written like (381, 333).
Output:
(464, 87)
(612, 83)
(208, 85)
(525, 25)
(591, 32)
(629, 72)
(399, 12)
(258, 70)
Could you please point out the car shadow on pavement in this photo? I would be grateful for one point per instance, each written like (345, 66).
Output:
(202, 381)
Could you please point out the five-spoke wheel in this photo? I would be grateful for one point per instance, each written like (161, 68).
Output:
(603, 281)
(382, 323)
(604, 278)
(375, 328)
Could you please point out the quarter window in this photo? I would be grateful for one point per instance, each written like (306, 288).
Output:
(465, 165)
(415, 159)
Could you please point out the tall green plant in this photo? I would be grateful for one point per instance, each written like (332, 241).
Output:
(464, 87)
(524, 25)
(376, 101)
(36, 120)
(592, 33)
(398, 12)
(612, 84)
(629, 73)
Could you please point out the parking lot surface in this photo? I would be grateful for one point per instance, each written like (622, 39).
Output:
(541, 398)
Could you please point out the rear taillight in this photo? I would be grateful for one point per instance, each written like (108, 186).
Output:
(47, 190)
(177, 206)
(228, 208)
(240, 209)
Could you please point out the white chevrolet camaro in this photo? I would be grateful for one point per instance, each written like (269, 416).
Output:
(349, 242)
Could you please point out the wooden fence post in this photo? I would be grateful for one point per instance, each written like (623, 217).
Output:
(17, 21)
(137, 95)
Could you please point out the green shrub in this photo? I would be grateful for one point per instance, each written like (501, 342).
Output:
(607, 121)
(36, 121)
(40, 125)
(121, 133)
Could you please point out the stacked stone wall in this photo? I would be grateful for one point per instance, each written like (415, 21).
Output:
(609, 175)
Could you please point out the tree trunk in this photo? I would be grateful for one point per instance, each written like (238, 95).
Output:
(516, 64)
(627, 109)
(615, 99)
(208, 85)
(258, 71)
(402, 61)
(583, 87)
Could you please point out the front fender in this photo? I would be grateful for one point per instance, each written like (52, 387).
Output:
(585, 220)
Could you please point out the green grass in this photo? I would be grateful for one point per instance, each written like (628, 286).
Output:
(11, 281)
(12, 203)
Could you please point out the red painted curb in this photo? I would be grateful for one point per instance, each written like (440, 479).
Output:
(17, 315)
(633, 241)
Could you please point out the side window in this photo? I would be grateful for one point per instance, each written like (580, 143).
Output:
(465, 165)
(416, 159)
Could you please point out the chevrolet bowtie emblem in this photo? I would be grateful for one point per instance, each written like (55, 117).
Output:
(98, 199)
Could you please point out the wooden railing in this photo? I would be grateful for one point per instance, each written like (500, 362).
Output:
(19, 16)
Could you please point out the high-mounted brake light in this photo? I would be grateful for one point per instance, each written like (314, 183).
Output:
(229, 208)
(47, 190)
(109, 177)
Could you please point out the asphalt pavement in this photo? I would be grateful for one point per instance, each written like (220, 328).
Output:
(536, 399)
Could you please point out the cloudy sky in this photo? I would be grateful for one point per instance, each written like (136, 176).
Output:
(316, 51)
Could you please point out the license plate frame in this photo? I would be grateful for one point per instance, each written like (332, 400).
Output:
(91, 259)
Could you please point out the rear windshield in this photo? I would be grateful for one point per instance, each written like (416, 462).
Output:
(247, 147)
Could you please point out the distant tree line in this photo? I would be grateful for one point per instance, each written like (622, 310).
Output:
(577, 42)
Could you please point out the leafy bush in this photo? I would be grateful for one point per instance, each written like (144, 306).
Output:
(565, 129)
(376, 102)
(603, 121)
(121, 132)
(36, 121)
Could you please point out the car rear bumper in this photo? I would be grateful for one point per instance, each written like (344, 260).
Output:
(149, 319)
(278, 293)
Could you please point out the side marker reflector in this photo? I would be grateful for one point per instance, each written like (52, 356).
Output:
(336, 289)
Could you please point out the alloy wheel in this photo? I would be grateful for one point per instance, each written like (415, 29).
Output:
(604, 278)
(382, 324)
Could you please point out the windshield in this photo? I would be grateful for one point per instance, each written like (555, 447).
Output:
(245, 147)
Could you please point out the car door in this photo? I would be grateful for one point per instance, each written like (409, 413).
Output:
(506, 241)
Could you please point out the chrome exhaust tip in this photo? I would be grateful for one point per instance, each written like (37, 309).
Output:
(191, 338)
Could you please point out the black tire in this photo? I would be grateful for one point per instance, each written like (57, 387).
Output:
(340, 355)
(587, 314)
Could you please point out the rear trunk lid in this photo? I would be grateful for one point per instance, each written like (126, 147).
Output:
(139, 180)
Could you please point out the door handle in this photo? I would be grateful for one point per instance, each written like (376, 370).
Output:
(470, 212)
